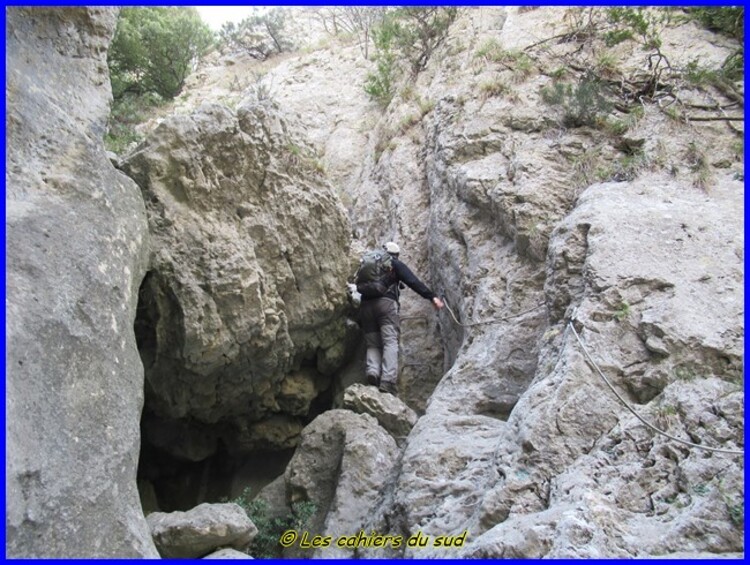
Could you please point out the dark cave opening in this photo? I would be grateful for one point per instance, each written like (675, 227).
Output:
(184, 463)
(168, 483)
(146, 319)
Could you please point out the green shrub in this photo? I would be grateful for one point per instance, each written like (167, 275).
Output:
(733, 67)
(380, 86)
(153, 50)
(640, 23)
(420, 30)
(582, 103)
(409, 35)
(723, 19)
(701, 76)
(615, 36)
(735, 504)
(622, 312)
(266, 542)
(729, 21)
(127, 112)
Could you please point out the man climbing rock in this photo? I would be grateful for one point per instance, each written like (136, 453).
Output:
(379, 281)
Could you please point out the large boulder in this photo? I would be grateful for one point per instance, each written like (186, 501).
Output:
(390, 412)
(341, 465)
(446, 465)
(201, 530)
(76, 252)
(243, 307)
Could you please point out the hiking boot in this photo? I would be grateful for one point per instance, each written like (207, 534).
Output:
(389, 387)
(373, 380)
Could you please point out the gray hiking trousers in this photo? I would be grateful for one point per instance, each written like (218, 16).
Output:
(381, 328)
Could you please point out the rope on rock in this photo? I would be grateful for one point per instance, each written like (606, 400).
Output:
(632, 410)
(603, 376)
(493, 320)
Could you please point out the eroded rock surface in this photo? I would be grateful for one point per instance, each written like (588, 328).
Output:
(390, 412)
(76, 252)
(201, 531)
(243, 305)
(341, 466)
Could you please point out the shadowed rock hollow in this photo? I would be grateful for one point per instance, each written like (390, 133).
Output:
(241, 320)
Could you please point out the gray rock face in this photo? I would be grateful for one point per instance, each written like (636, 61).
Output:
(395, 416)
(341, 465)
(521, 444)
(635, 270)
(572, 473)
(201, 530)
(76, 252)
(243, 321)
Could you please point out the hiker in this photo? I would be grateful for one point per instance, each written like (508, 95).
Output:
(379, 310)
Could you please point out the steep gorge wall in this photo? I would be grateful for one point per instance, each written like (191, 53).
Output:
(242, 321)
(76, 252)
(521, 444)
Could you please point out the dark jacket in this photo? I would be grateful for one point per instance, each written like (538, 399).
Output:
(402, 274)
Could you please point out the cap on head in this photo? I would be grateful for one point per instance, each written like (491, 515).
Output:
(392, 247)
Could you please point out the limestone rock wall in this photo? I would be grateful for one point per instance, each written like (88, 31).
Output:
(648, 289)
(243, 307)
(497, 204)
(76, 252)
(520, 423)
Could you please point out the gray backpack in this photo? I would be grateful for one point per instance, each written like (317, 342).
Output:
(376, 274)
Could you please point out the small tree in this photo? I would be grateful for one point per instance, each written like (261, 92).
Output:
(380, 85)
(421, 31)
(260, 35)
(356, 20)
(405, 34)
(154, 48)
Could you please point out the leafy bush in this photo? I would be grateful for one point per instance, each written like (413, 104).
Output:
(420, 31)
(615, 36)
(154, 48)
(733, 67)
(634, 23)
(260, 35)
(128, 111)
(582, 103)
(727, 20)
(266, 543)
